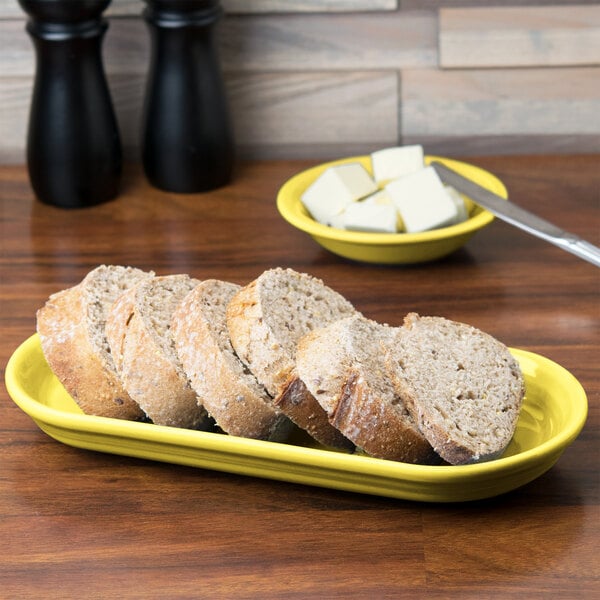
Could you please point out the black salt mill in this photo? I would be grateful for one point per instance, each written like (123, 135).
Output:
(187, 143)
(73, 144)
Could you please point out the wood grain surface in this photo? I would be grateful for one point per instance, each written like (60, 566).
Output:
(80, 524)
(426, 71)
(519, 36)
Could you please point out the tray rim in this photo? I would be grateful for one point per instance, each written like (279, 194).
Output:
(52, 419)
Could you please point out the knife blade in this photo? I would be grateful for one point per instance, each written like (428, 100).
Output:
(519, 217)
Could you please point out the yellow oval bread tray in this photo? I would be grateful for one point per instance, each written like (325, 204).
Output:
(554, 411)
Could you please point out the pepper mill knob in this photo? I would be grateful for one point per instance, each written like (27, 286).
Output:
(73, 144)
(187, 143)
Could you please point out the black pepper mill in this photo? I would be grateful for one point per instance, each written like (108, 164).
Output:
(73, 145)
(187, 143)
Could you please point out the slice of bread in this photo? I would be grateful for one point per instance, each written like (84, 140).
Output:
(71, 326)
(462, 386)
(265, 320)
(230, 393)
(138, 329)
(343, 366)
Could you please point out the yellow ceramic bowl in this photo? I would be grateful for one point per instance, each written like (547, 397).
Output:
(387, 248)
(554, 411)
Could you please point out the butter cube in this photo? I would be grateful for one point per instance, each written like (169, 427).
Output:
(337, 221)
(336, 188)
(422, 201)
(392, 163)
(382, 197)
(371, 217)
(378, 198)
(461, 208)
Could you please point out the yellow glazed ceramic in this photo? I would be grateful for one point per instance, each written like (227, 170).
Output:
(554, 411)
(387, 248)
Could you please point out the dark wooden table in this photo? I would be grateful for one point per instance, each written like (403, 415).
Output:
(80, 524)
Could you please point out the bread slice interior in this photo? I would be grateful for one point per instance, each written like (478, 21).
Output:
(462, 386)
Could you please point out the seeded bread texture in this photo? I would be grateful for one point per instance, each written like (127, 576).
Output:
(71, 326)
(265, 320)
(138, 329)
(462, 386)
(226, 388)
(343, 366)
(268, 317)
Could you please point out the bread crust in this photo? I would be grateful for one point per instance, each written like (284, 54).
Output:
(258, 347)
(150, 377)
(303, 409)
(378, 427)
(93, 384)
(236, 407)
(254, 342)
(342, 365)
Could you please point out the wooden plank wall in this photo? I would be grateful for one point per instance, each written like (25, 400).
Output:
(324, 78)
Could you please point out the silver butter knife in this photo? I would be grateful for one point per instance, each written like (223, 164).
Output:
(519, 217)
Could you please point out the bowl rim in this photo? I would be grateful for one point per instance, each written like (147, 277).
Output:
(292, 210)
